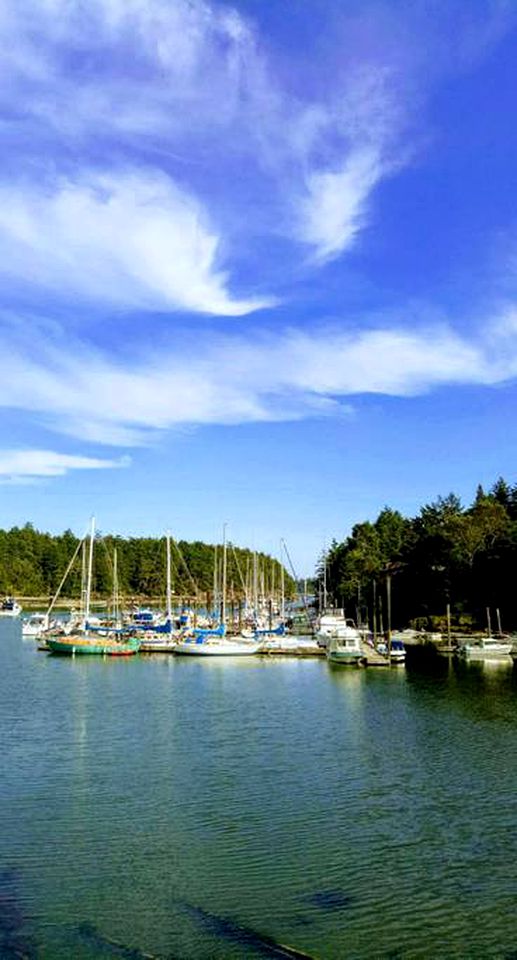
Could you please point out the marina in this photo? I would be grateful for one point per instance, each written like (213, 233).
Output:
(258, 535)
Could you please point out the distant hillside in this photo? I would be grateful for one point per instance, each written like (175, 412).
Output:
(32, 563)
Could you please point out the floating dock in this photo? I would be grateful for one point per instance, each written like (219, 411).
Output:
(373, 657)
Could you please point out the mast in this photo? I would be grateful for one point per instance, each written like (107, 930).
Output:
(223, 605)
(115, 589)
(255, 585)
(90, 572)
(216, 598)
(169, 582)
(82, 607)
(282, 584)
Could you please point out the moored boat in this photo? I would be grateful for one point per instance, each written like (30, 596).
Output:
(397, 652)
(486, 648)
(334, 625)
(213, 646)
(346, 651)
(34, 626)
(79, 644)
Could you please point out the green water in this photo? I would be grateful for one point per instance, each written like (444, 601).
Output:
(186, 809)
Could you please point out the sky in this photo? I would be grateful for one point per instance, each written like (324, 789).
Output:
(258, 263)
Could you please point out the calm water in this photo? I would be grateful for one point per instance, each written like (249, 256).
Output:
(194, 809)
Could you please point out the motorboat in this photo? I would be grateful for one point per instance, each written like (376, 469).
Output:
(10, 608)
(346, 650)
(334, 625)
(397, 652)
(486, 648)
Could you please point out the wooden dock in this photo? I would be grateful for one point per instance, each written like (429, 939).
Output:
(373, 657)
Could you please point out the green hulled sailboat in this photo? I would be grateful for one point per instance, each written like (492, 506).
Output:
(90, 643)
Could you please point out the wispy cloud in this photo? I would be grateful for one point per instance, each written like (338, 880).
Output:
(82, 392)
(189, 84)
(334, 208)
(146, 144)
(127, 238)
(27, 466)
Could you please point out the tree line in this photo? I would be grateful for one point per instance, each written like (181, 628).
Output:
(33, 563)
(449, 556)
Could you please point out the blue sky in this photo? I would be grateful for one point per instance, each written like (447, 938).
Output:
(258, 263)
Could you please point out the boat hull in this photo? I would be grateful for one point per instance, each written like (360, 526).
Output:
(79, 646)
(472, 651)
(222, 649)
(155, 646)
(343, 659)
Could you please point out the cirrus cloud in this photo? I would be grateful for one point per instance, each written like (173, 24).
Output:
(83, 392)
(127, 239)
(27, 466)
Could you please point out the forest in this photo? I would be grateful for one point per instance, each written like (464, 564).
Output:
(33, 563)
(449, 556)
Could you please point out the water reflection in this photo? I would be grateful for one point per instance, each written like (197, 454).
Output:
(220, 808)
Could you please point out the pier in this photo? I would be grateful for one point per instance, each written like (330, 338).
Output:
(373, 657)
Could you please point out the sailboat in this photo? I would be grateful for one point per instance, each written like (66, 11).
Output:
(214, 642)
(85, 641)
(162, 639)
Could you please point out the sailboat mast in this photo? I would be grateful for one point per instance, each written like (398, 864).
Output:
(223, 605)
(216, 591)
(255, 585)
(82, 610)
(90, 573)
(282, 589)
(115, 588)
(169, 582)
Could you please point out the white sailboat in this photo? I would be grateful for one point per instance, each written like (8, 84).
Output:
(215, 643)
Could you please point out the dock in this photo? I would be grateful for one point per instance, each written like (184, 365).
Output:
(373, 657)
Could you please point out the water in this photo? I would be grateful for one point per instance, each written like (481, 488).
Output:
(177, 808)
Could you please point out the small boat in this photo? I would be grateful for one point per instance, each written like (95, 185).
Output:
(397, 652)
(486, 648)
(10, 608)
(346, 650)
(33, 627)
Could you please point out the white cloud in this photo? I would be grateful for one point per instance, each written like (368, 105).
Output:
(22, 466)
(333, 211)
(85, 393)
(191, 83)
(130, 238)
